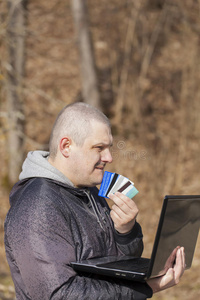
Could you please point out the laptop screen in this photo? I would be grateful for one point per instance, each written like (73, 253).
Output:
(182, 216)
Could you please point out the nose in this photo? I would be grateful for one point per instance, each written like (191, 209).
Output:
(106, 156)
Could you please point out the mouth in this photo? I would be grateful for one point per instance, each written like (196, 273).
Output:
(100, 167)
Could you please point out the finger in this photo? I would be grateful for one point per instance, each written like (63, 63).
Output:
(115, 217)
(183, 257)
(122, 225)
(123, 213)
(120, 213)
(126, 217)
(169, 276)
(119, 222)
(180, 264)
(126, 204)
(171, 259)
(167, 280)
(123, 199)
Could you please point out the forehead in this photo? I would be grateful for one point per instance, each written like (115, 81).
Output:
(100, 133)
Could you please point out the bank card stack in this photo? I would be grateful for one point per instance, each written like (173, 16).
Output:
(113, 182)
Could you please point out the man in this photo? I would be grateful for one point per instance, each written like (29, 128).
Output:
(56, 217)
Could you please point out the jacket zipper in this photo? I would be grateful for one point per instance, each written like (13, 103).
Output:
(100, 219)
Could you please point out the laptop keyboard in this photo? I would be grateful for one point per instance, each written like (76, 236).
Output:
(132, 264)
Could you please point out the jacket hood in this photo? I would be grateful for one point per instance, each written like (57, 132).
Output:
(36, 165)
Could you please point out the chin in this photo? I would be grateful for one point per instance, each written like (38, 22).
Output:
(97, 181)
(96, 178)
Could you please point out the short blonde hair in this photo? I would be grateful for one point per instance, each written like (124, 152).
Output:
(74, 121)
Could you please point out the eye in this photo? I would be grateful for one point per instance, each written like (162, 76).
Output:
(99, 148)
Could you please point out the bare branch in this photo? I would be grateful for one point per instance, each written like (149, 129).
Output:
(89, 79)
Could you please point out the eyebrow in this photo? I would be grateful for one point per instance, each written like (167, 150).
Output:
(103, 144)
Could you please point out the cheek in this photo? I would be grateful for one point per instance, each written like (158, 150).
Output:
(91, 161)
(92, 156)
(87, 160)
(77, 161)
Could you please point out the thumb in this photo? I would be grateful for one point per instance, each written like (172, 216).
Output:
(168, 277)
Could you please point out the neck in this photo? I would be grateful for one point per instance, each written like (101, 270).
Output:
(60, 165)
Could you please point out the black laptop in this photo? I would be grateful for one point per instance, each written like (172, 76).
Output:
(178, 227)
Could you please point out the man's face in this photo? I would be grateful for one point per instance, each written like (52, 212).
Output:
(88, 161)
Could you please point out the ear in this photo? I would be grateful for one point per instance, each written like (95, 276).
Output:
(65, 145)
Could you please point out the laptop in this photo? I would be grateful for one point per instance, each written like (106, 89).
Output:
(178, 226)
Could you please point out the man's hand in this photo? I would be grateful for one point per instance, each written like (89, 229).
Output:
(173, 275)
(123, 212)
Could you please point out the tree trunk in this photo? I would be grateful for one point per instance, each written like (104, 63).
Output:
(89, 79)
(14, 82)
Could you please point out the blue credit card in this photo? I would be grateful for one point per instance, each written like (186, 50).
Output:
(107, 178)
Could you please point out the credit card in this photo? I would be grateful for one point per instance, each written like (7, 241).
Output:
(113, 182)
(107, 178)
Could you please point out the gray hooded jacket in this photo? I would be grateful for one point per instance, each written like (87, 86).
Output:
(51, 223)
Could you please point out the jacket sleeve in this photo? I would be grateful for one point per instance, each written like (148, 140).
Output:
(44, 248)
(132, 242)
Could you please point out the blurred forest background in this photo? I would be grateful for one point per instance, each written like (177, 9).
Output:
(137, 60)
